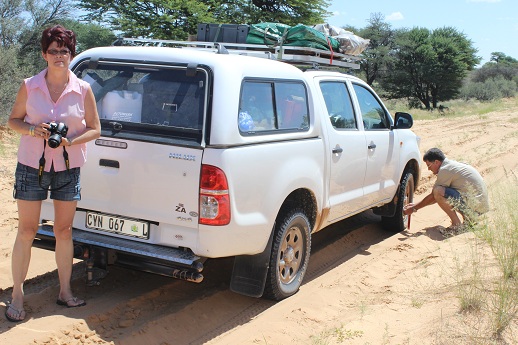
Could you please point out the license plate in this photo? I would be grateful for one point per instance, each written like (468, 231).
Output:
(117, 225)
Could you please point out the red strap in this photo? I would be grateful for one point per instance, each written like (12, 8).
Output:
(331, 49)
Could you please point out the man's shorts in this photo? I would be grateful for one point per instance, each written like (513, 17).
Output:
(454, 197)
(63, 185)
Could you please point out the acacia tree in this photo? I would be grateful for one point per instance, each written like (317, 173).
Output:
(175, 19)
(500, 57)
(21, 20)
(378, 54)
(290, 12)
(500, 66)
(10, 22)
(21, 24)
(429, 65)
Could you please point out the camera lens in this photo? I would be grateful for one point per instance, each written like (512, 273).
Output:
(54, 140)
(58, 131)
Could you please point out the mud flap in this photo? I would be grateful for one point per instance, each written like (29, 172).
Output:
(249, 272)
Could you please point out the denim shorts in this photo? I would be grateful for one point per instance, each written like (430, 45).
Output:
(453, 195)
(63, 185)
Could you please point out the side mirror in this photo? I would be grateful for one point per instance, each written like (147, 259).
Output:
(403, 121)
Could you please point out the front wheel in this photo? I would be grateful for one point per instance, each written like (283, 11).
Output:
(290, 255)
(405, 195)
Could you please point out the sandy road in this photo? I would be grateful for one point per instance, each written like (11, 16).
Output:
(363, 285)
(128, 305)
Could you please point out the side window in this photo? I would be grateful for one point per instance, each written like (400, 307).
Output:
(272, 105)
(256, 107)
(339, 105)
(373, 114)
(292, 105)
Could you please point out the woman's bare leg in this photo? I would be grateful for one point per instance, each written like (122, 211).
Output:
(28, 220)
(64, 216)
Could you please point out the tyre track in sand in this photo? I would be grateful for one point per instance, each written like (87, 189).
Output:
(175, 311)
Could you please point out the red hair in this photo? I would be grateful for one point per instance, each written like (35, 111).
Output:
(61, 36)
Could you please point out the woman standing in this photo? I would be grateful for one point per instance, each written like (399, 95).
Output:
(44, 102)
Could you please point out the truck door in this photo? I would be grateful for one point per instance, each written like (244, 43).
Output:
(382, 159)
(347, 147)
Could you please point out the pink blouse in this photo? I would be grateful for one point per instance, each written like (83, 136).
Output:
(68, 109)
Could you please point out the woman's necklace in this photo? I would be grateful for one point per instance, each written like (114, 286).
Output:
(58, 92)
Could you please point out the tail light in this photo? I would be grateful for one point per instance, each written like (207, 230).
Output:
(214, 198)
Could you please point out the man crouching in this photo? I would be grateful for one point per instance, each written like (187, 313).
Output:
(459, 188)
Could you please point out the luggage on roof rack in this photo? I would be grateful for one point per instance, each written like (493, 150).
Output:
(290, 54)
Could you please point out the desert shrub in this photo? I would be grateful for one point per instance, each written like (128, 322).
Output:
(12, 74)
(479, 91)
(507, 71)
(492, 88)
(508, 88)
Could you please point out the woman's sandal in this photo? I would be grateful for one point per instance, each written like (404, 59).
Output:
(16, 315)
(75, 302)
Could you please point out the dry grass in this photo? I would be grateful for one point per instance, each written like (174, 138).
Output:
(455, 108)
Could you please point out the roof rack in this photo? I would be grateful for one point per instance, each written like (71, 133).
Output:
(290, 54)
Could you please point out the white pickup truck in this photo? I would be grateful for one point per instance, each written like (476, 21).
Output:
(209, 154)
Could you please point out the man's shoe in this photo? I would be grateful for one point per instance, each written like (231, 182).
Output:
(452, 230)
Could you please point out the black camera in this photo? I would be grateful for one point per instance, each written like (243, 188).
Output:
(58, 131)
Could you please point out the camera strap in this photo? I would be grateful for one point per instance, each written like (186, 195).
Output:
(42, 167)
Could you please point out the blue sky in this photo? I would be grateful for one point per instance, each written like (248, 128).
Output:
(492, 25)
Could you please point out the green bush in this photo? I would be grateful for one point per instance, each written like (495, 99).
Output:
(493, 70)
(12, 75)
(508, 88)
(492, 88)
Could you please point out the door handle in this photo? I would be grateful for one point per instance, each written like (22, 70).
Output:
(109, 163)
(371, 146)
(337, 150)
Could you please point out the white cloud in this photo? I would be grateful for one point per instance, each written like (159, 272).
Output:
(395, 16)
(489, 1)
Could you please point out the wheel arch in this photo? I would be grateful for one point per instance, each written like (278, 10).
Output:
(304, 199)
(389, 209)
(250, 271)
(413, 167)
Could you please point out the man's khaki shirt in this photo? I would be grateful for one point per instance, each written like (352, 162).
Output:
(467, 181)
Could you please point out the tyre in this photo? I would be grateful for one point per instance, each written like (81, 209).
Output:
(290, 255)
(405, 195)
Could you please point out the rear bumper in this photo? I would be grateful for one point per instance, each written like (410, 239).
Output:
(104, 250)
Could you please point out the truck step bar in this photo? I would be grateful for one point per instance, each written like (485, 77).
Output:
(101, 251)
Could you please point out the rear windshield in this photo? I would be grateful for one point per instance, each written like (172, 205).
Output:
(159, 100)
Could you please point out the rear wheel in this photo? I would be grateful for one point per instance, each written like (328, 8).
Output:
(405, 195)
(290, 255)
